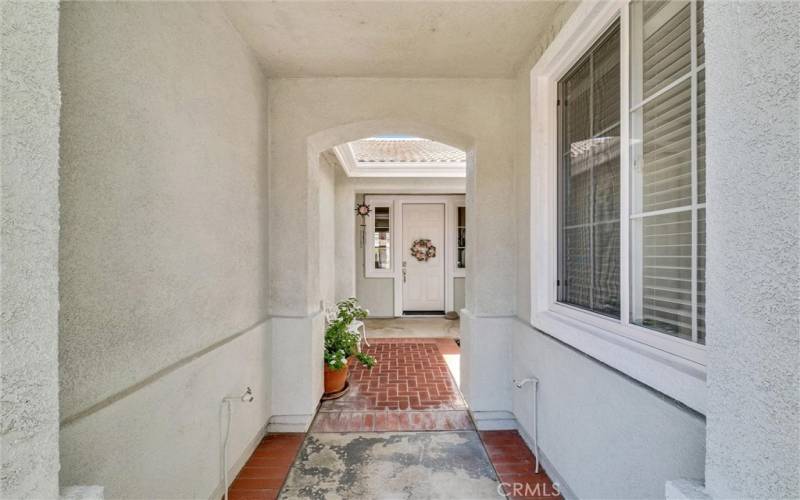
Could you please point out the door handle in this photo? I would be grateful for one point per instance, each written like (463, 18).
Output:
(404, 274)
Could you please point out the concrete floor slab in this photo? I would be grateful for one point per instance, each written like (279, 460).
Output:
(411, 328)
(392, 465)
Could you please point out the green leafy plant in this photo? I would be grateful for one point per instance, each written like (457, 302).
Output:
(340, 343)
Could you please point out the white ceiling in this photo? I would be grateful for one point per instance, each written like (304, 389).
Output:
(391, 38)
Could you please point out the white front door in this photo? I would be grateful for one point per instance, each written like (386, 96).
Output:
(423, 280)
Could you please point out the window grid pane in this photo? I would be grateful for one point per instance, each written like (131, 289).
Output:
(665, 261)
(461, 247)
(667, 49)
(666, 159)
(589, 180)
(382, 238)
(667, 230)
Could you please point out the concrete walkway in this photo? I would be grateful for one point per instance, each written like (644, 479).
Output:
(412, 328)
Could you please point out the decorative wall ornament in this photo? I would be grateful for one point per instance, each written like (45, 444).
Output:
(423, 250)
(363, 210)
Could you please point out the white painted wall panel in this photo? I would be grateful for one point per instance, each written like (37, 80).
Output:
(606, 435)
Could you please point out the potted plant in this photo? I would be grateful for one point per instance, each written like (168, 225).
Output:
(342, 343)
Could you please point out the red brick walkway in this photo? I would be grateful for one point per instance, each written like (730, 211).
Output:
(263, 475)
(410, 388)
(515, 466)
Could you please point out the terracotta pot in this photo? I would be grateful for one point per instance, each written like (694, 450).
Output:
(335, 379)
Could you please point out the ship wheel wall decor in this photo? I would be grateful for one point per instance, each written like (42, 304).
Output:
(423, 250)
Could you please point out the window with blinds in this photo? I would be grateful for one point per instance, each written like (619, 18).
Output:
(589, 179)
(667, 183)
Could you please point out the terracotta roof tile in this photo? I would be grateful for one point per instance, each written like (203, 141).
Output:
(405, 151)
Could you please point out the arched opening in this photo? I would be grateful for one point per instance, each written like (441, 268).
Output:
(393, 163)
(413, 178)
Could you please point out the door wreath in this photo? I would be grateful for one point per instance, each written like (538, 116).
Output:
(423, 250)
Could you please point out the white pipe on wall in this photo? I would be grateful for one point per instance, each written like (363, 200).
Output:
(519, 384)
(246, 397)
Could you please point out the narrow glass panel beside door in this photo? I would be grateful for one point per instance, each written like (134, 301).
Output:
(461, 247)
(382, 238)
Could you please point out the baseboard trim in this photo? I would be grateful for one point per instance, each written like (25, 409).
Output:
(290, 423)
(237, 466)
(494, 420)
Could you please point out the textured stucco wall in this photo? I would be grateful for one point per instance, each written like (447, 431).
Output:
(522, 160)
(29, 113)
(164, 242)
(327, 230)
(476, 109)
(753, 276)
(311, 115)
(605, 435)
(162, 441)
(459, 293)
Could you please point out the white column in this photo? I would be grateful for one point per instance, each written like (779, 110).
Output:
(753, 277)
(29, 121)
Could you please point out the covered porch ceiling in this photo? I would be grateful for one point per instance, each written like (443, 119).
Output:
(479, 39)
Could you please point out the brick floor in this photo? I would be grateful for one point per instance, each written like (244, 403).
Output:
(407, 376)
(263, 475)
(515, 466)
(409, 389)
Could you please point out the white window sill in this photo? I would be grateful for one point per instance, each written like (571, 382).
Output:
(672, 375)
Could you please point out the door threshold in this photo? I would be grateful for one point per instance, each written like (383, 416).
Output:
(423, 314)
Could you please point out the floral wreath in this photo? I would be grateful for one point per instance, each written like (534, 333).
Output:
(423, 250)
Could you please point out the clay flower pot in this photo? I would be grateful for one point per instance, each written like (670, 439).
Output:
(335, 379)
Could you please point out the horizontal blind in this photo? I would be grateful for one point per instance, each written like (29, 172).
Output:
(663, 231)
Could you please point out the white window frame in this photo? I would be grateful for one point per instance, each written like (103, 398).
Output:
(669, 364)
(458, 272)
(369, 231)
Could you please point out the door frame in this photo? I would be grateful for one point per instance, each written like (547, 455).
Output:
(451, 204)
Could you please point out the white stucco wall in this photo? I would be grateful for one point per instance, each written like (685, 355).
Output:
(164, 276)
(311, 115)
(327, 230)
(602, 434)
(753, 276)
(29, 114)
(478, 110)
(522, 160)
